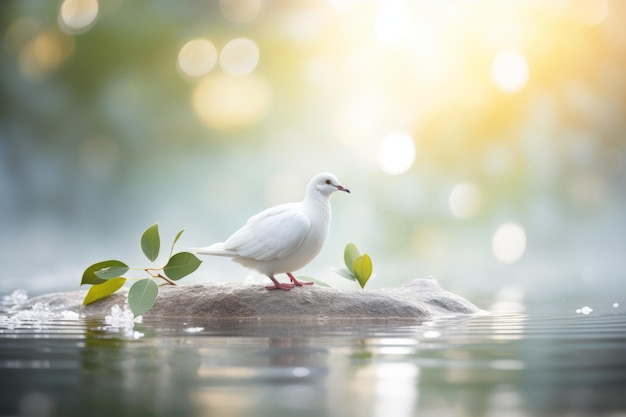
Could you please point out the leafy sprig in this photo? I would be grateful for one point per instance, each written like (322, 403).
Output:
(358, 266)
(107, 277)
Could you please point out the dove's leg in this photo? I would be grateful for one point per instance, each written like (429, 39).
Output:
(279, 285)
(296, 282)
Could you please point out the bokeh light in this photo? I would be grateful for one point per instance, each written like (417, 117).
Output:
(224, 102)
(197, 57)
(240, 11)
(77, 16)
(509, 242)
(465, 200)
(396, 152)
(510, 71)
(44, 54)
(239, 57)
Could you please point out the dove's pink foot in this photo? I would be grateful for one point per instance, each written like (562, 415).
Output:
(285, 287)
(296, 282)
(279, 285)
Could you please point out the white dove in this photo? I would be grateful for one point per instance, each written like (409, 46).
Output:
(284, 238)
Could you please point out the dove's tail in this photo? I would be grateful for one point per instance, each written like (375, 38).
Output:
(216, 249)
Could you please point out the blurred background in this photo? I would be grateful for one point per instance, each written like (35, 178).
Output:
(483, 141)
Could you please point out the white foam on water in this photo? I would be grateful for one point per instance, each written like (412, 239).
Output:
(193, 329)
(70, 315)
(123, 321)
(38, 316)
(16, 298)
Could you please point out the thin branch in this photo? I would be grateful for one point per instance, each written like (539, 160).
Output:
(166, 279)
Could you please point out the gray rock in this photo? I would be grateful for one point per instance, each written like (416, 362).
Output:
(420, 299)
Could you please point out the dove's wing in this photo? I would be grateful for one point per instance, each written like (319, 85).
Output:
(272, 234)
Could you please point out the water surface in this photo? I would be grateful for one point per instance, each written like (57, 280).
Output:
(496, 365)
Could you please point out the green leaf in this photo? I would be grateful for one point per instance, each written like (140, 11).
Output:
(176, 240)
(345, 273)
(90, 277)
(114, 271)
(362, 267)
(316, 281)
(150, 242)
(100, 291)
(350, 253)
(181, 265)
(142, 295)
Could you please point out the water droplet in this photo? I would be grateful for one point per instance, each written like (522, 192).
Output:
(584, 310)
(193, 329)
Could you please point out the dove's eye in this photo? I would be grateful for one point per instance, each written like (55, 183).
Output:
(327, 182)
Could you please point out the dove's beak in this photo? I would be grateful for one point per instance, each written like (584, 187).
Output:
(342, 188)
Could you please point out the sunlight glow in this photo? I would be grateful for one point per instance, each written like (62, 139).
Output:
(465, 200)
(510, 71)
(509, 242)
(77, 16)
(197, 57)
(393, 22)
(224, 102)
(343, 6)
(239, 57)
(590, 12)
(396, 153)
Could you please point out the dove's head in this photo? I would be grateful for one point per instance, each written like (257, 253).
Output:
(326, 184)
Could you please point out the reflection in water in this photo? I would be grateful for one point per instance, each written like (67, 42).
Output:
(507, 364)
(395, 389)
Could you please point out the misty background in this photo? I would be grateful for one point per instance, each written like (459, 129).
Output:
(483, 142)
